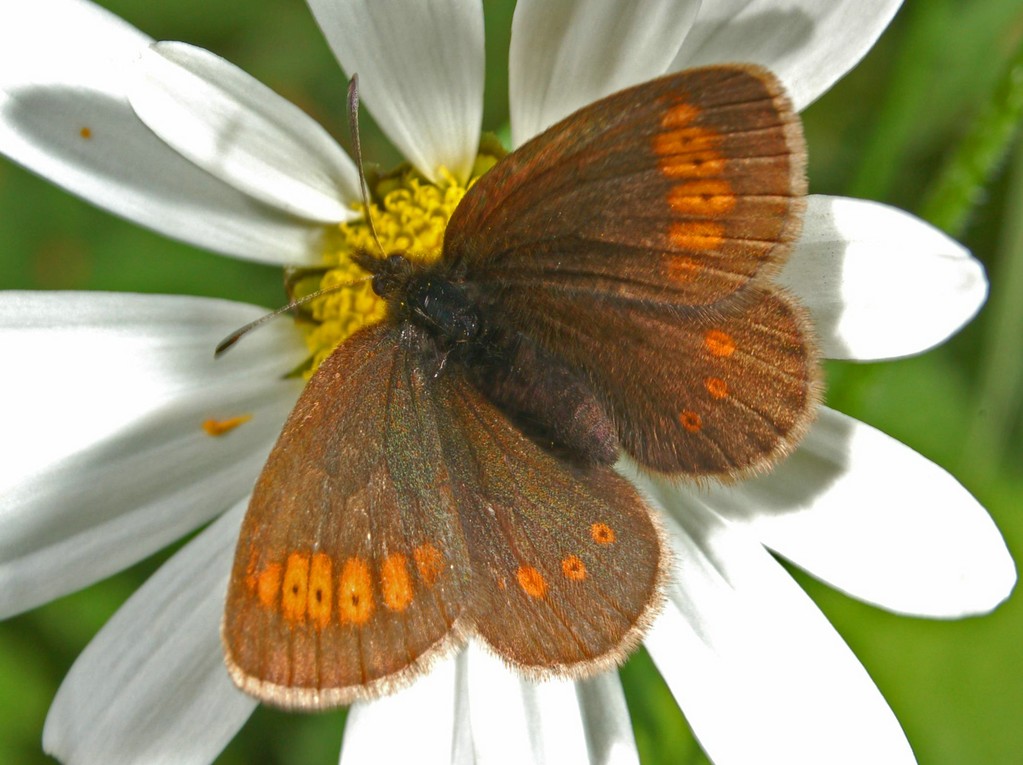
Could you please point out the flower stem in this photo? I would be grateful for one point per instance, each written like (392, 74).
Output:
(960, 185)
(1000, 383)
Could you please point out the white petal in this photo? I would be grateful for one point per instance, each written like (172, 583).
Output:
(879, 282)
(565, 55)
(240, 131)
(809, 44)
(420, 68)
(151, 687)
(65, 71)
(105, 397)
(515, 720)
(873, 518)
(426, 714)
(758, 671)
(607, 722)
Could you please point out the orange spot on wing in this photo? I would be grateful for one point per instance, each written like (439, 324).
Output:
(268, 584)
(85, 133)
(681, 268)
(716, 387)
(220, 427)
(680, 115)
(695, 164)
(690, 420)
(395, 582)
(321, 589)
(355, 592)
(531, 581)
(602, 533)
(429, 563)
(696, 235)
(685, 140)
(705, 197)
(719, 343)
(296, 587)
(573, 568)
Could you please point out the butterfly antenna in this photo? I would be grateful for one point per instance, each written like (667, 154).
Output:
(353, 126)
(229, 341)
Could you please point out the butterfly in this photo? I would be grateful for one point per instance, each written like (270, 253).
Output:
(447, 473)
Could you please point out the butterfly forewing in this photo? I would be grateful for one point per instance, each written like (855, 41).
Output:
(352, 570)
(635, 239)
(567, 561)
(680, 190)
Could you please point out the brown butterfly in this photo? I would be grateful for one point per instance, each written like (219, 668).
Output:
(447, 473)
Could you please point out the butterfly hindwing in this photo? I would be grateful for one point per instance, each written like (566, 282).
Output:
(567, 561)
(706, 393)
(680, 190)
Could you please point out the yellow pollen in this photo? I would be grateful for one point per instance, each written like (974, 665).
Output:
(410, 215)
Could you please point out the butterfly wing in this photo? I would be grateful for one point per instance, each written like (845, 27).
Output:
(399, 512)
(567, 562)
(680, 190)
(663, 211)
(712, 393)
(351, 571)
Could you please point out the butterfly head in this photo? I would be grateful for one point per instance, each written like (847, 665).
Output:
(391, 273)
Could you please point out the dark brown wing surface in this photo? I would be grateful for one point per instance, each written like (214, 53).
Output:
(567, 563)
(636, 239)
(716, 393)
(680, 190)
(399, 512)
(352, 569)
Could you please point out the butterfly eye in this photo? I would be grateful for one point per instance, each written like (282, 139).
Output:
(390, 275)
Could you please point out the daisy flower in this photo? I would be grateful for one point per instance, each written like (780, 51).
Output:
(156, 439)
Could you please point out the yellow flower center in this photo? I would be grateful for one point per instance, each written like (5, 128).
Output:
(410, 215)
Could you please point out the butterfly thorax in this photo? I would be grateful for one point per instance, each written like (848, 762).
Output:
(425, 296)
(550, 400)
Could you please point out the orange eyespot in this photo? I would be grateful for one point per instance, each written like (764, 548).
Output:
(719, 343)
(680, 115)
(696, 235)
(296, 586)
(709, 197)
(395, 582)
(268, 584)
(531, 581)
(355, 592)
(321, 589)
(690, 420)
(602, 533)
(573, 568)
(716, 387)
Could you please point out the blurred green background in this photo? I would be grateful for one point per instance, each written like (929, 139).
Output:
(925, 122)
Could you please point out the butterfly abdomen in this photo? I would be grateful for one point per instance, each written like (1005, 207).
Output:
(542, 394)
